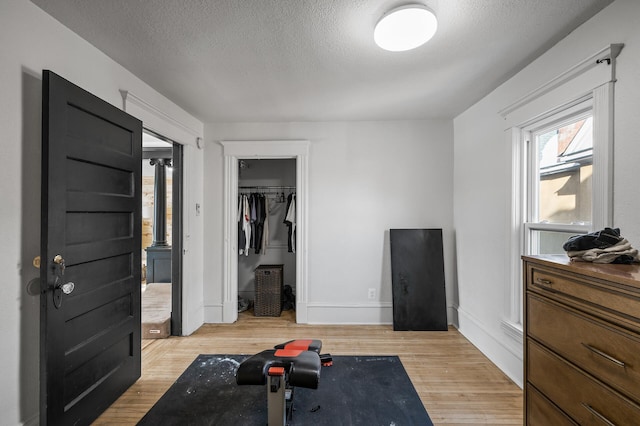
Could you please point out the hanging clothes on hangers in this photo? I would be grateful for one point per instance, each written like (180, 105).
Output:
(290, 221)
(241, 235)
(259, 222)
(244, 225)
(253, 220)
(252, 223)
(265, 230)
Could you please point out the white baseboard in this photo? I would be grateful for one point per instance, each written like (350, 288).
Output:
(318, 313)
(380, 313)
(350, 313)
(302, 311)
(213, 314)
(500, 349)
(452, 316)
(33, 421)
(192, 320)
(359, 314)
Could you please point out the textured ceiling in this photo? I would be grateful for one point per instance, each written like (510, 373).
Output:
(311, 60)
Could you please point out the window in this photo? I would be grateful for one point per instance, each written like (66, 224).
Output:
(559, 172)
(561, 184)
(560, 138)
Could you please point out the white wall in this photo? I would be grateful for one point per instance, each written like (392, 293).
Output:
(33, 41)
(483, 172)
(364, 178)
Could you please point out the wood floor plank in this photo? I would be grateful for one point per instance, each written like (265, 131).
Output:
(457, 384)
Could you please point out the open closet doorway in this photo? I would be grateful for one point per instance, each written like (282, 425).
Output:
(267, 237)
(234, 152)
(161, 236)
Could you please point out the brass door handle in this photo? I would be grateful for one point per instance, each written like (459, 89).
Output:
(58, 261)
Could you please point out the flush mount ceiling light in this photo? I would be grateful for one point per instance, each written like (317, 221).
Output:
(405, 28)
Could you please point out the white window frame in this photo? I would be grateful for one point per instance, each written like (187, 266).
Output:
(601, 101)
(581, 108)
(592, 77)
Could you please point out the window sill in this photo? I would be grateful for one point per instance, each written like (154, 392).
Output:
(512, 330)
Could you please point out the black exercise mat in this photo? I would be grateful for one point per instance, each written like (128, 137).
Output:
(356, 390)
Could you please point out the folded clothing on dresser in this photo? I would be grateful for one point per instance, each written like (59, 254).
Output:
(605, 246)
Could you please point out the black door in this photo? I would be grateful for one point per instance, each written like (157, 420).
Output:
(90, 251)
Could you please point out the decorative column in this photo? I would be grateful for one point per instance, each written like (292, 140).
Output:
(159, 252)
(160, 201)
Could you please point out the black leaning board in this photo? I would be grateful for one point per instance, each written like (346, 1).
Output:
(417, 278)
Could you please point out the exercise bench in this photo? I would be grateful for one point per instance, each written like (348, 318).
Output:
(281, 369)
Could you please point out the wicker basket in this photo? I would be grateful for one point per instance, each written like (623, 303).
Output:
(268, 289)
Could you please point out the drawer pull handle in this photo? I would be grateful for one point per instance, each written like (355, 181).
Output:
(597, 414)
(544, 281)
(604, 355)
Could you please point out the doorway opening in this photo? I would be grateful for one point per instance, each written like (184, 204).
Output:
(161, 237)
(266, 237)
(234, 151)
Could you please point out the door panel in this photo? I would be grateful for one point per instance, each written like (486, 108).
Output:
(91, 217)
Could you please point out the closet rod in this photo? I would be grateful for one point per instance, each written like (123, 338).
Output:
(267, 187)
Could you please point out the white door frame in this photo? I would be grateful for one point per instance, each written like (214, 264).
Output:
(243, 150)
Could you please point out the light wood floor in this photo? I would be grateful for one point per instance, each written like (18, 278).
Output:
(456, 383)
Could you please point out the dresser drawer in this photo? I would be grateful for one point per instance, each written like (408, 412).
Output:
(586, 400)
(609, 353)
(542, 412)
(591, 291)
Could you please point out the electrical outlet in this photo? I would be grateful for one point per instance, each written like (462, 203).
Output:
(372, 294)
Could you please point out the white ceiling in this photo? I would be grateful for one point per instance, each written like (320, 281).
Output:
(312, 60)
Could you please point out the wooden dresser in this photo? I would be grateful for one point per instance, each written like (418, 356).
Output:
(582, 345)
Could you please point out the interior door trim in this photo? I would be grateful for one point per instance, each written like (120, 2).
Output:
(237, 150)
